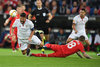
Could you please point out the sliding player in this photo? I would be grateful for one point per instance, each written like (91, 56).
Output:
(65, 50)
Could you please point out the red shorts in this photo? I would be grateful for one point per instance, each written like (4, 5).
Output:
(57, 51)
(15, 32)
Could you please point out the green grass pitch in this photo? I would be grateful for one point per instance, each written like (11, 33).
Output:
(10, 59)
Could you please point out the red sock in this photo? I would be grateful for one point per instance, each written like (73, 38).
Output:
(88, 48)
(13, 45)
(39, 55)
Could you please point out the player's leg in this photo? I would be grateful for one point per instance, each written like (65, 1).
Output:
(23, 46)
(13, 41)
(86, 40)
(36, 40)
(71, 37)
(39, 55)
(53, 47)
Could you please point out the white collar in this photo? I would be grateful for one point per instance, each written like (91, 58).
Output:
(39, 8)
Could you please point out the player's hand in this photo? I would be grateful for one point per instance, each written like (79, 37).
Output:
(29, 39)
(47, 21)
(5, 24)
(76, 32)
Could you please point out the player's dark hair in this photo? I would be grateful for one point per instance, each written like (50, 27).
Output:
(83, 9)
(23, 15)
(82, 38)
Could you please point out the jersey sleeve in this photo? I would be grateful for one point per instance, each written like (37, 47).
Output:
(75, 20)
(10, 18)
(81, 48)
(14, 24)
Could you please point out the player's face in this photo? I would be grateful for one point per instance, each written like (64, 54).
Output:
(39, 3)
(22, 19)
(19, 10)
(82, 13)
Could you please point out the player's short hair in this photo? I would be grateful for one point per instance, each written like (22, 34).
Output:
(83, 9)
(82, 38)
(22, 15)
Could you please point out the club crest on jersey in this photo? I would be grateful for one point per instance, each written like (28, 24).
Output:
(44, 14)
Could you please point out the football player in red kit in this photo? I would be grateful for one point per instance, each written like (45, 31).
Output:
(65, 50)
(12, 19)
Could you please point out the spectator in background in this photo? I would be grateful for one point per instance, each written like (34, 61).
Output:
(51, 36)
(54, 13)
(74, 11)
(62, 8)
(1, 9)
(95, 11)
(8, 9)
(68, 12)
(54, 6)
(47, 4)
(84, 5)
(97, 42)
(61, 37)
(2, 3)
(87, 8)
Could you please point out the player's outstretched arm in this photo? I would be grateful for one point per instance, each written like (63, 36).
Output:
(87, 56)
(6, 22)
(78, 53)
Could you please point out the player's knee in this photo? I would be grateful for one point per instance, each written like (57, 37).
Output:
(69, 40)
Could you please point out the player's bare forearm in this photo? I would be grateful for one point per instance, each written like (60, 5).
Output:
(87, 56)
(32, 33)
(50, 16)
(6, 22)
(78, 53)
(73, 26)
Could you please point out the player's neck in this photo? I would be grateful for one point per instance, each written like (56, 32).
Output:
(82, 17)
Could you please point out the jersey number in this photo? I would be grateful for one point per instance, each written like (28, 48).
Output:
(71, 45)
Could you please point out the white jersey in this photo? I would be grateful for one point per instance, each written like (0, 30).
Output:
(80, 23)
(23, 31)
(80, 27)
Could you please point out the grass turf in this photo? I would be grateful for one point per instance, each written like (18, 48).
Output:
(10, 59)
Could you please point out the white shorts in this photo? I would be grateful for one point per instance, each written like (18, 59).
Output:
(74, 36)
(35, 40)
(23, 44)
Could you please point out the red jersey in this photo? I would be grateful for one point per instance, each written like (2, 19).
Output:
(12, 19)
(72, 47)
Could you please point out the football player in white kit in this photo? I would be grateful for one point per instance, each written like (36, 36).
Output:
(78, 26)
(25, 33)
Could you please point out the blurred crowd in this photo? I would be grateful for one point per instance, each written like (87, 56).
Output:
(57, 7)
